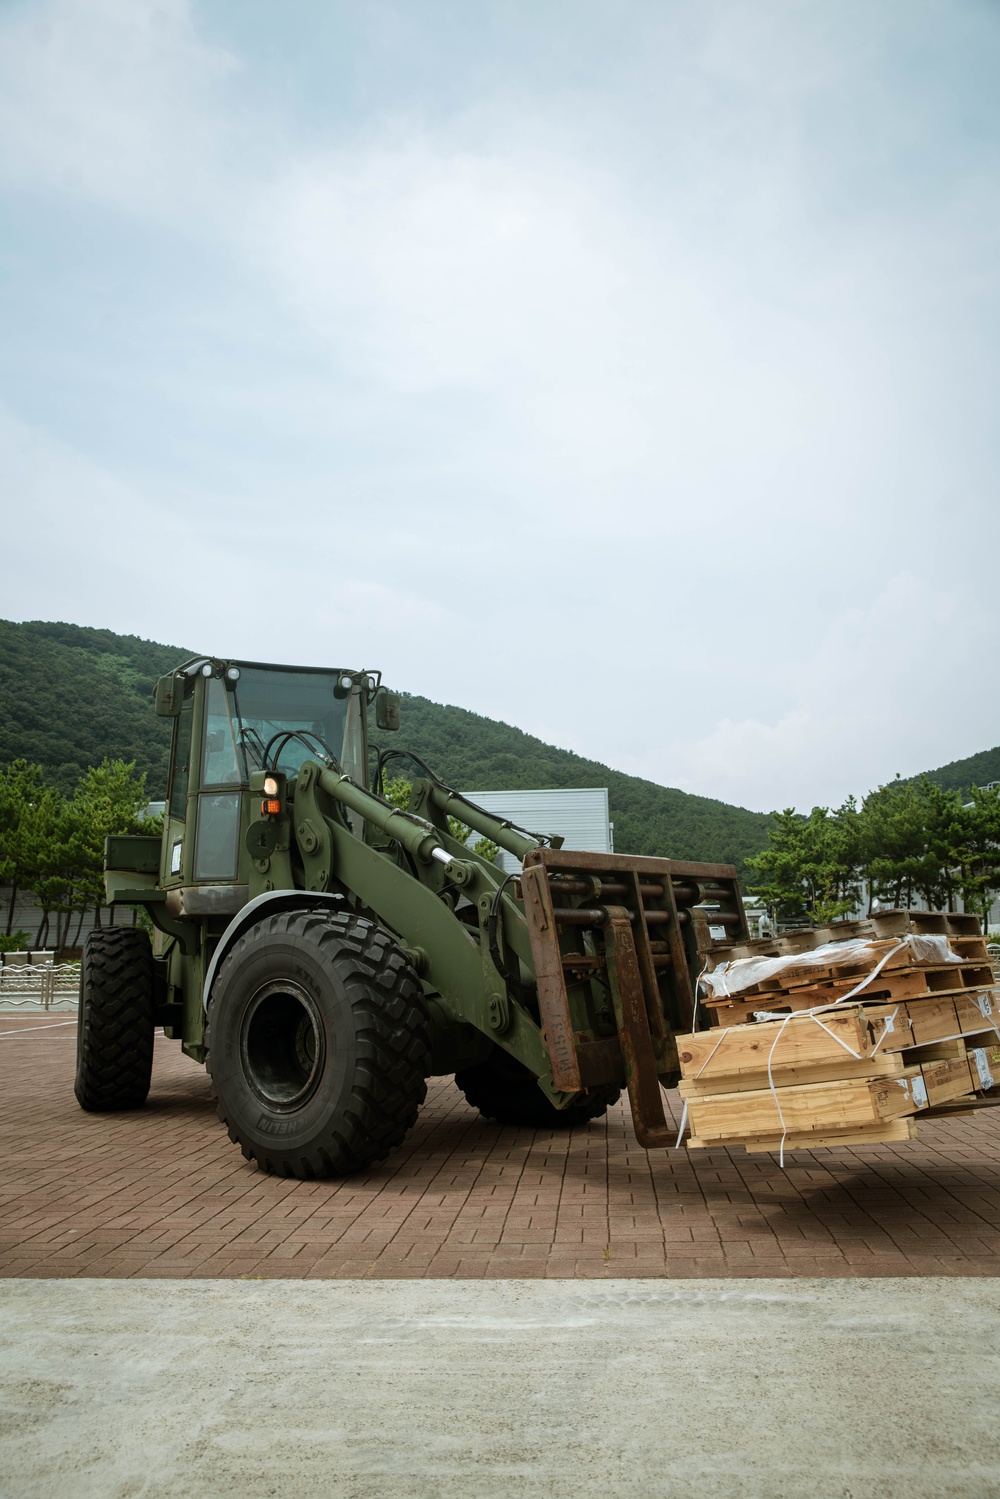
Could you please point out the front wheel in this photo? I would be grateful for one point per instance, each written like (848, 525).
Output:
(318, 1043)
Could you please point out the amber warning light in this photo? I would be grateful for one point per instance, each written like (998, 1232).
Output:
(272, 806)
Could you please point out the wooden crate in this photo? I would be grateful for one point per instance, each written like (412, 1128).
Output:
(808, 1101)
(978, 1012)
(853, 1103)
(984, 1067)
(946, 1080)
(802, 1042)
(866, 1029)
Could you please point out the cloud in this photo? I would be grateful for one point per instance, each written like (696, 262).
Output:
(644, 413)
(612, 345)
(84, 544)
(893, 687)
(119, 100)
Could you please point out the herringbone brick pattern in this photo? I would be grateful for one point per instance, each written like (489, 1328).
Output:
(162, 1192)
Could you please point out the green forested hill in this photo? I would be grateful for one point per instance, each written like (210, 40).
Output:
(70, 696)
(480, 754)
(976, 770)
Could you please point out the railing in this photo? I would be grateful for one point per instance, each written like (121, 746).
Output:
(43, 986)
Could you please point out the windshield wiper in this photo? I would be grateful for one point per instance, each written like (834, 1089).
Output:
(250, 740)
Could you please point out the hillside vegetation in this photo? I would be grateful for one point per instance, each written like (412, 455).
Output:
(975, 770)
(479, 754)
(71, 697)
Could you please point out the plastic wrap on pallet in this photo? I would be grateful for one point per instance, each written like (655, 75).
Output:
(731, 979)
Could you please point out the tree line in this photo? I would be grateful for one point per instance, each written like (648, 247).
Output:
(904, 842)
(907, 841)
(52, 844)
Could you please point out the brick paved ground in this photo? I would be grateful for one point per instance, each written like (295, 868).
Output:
(162, 1192)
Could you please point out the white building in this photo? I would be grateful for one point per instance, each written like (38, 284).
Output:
(580, 817)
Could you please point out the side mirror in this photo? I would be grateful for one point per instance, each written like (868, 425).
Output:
(168, 695)
(387, 709)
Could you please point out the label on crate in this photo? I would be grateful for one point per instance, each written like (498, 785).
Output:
(915, 1088)
(983, 1068)
(985, 1003)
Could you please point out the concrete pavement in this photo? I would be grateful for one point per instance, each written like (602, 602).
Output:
(832, 1389)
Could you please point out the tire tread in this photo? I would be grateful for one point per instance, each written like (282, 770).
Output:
(115, 1022)
(392, 1032)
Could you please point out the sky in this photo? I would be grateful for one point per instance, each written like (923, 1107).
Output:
(626, 370)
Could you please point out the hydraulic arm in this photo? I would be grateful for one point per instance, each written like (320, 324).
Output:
(583, 965)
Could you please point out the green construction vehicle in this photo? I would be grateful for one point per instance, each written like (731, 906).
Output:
(324, 952)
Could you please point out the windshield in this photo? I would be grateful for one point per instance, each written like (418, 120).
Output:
(262, 716)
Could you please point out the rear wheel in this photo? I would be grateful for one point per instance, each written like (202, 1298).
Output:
(501, 1088)
(114, 1036)
(318, 1043)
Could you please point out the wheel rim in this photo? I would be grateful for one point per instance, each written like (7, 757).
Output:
(282, 1045)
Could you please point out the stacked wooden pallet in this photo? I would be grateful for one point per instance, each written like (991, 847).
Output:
(820, 966)
(920, 1037)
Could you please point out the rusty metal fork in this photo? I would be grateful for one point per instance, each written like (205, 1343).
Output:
(625, 976)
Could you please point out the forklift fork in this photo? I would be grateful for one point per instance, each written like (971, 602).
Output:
(638, 929)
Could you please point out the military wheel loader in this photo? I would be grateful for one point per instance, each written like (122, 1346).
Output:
(324, 952)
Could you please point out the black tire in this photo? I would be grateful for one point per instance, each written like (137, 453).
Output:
(501, 1088)
(114, 1033)
(318, 1043)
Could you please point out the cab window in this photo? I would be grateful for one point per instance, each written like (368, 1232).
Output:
(219, 766)
(182, 762)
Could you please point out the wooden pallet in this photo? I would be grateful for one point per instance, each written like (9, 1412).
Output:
(942, 1017)
(893, 988)
(972, 950)
(904, 983)
(886, 924)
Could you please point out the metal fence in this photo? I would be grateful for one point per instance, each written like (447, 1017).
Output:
(40, 986)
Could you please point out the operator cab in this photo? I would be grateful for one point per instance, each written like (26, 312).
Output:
(235, 718)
